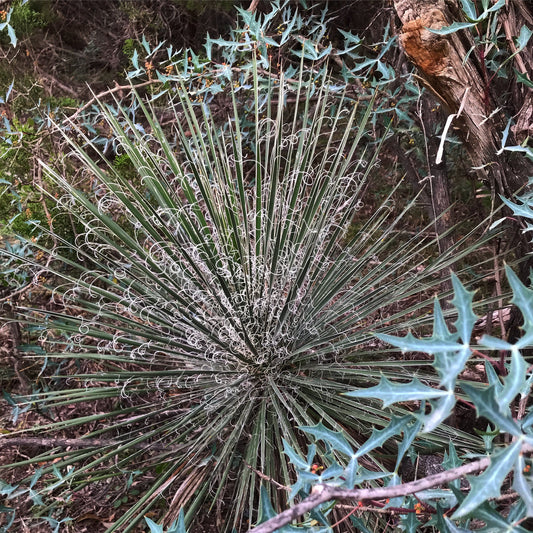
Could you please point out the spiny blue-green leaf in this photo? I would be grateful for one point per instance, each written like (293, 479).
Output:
(379, 436)
(466, 319)
(495, 7)
(449, 365)
(493, 378)
(412, 344)
(437, 519)
(523, 37)
(451, 460)
(469, 9)
(523, 78)
(294, 458)
(493, 343)
(389, 392)
(522, 485)
(266, 512)
(394, 481)
(364, 474)
(522, 297)
(525, 341)
(409, 521)
(409, 434)
(452, 28)
(440, 328)
(488, 406)
(523, 210)
(350, 473)
(154, 528)
(487, 485)
(440, 411)
(179, 525)
(332, 472)
(493, 520)
(514, 381)
(334, 438)
(526, 389)
(452, 528)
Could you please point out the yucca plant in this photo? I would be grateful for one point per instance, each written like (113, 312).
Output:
(223, 300)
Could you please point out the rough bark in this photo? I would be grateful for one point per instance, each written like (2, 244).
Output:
(466, 85)
(454, 70)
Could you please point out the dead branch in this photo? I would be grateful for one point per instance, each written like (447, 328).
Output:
(323, 493)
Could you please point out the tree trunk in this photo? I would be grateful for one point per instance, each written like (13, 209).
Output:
(453, 68)
(466, 85)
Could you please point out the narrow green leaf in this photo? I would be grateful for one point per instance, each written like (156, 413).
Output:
(522, 297)
(469, 9)
(440, 411)
(523, 485)
(412, 344)
(487, 485)
(452, 28)
(389, 392)
(380, 436)
(334, 438)
(488, 406)
(523, 37)
(514, 381)
(462, 300)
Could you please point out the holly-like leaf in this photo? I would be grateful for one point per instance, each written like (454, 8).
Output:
(469, 9)
(389, 392)
(440, 411)
(379, 436)
(493, 378)
(522, 485)
(488, 406)
(466, 319)
(450, 364)
(522, 297)
(451, 460)
(487, 485)
(514, 381)
(409, 435)
(523, 78)
(409, 343)
(334, 438)
(294, 458)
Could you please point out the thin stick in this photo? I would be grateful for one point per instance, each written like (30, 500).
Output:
(78, 443)
(324, 493)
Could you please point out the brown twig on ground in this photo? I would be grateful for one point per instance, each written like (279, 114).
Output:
(6, 440)
(323, 493)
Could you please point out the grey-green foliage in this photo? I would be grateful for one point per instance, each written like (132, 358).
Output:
(493, 400)
(217, 303)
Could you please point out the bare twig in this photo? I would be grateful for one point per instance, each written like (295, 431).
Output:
(323, 493)
(253, 6)
(6, 440)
